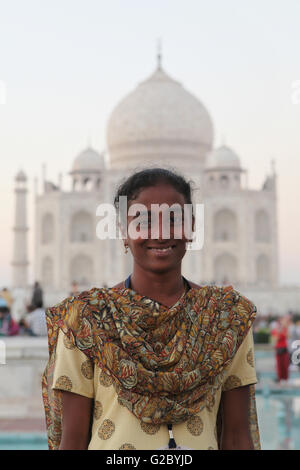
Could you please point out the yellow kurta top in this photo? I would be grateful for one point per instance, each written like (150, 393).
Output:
(114, 427)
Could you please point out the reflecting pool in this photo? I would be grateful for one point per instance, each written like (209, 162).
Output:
(279, 420)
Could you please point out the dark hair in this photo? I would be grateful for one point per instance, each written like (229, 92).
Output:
(132, 186)
(30, 308)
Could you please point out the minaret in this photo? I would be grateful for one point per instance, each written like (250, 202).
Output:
(20, 254)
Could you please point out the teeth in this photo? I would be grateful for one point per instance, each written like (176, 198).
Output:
(162, 249)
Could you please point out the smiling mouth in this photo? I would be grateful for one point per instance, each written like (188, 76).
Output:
(161, 250)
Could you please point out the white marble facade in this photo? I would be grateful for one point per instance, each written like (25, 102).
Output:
(158, 124)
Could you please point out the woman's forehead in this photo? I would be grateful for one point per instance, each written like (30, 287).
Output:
(159, 194)
(155, 209)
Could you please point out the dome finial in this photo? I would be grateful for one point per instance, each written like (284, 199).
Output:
(159, 54)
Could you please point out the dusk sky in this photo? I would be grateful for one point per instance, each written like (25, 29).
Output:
(65, 64)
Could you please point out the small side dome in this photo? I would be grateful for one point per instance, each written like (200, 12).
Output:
(223, 157)
(20, 176)
(88, 161)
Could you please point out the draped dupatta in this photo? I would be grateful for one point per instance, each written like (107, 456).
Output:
(166, 363)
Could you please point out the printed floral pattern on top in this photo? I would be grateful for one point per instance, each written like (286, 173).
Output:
(119, 330)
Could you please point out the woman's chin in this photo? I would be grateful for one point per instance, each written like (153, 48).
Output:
(162, 265)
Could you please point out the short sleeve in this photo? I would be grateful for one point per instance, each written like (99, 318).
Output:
(73, 370)
(241, 370)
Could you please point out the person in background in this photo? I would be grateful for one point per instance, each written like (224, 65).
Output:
(22, 322)
(37, 296)
(35, 321)
(75, 290)
(6, 295)
(8, 327)
(273, 325)
(280, 335)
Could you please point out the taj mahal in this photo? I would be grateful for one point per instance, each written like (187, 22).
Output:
(159, 123)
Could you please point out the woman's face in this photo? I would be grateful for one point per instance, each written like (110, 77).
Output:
(153, 252)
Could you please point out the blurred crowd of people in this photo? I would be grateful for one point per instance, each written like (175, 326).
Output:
(32, 323)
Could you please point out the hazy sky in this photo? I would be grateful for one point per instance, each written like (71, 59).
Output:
(67, 63)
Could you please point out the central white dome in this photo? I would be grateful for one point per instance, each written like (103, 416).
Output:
(159, 122)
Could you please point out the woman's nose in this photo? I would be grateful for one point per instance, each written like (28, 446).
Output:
(161, 228)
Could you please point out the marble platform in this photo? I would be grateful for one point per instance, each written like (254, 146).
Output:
(20, 377)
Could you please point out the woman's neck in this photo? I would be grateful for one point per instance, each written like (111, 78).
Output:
(163, 287)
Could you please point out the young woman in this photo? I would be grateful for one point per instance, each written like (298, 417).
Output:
(156, 361)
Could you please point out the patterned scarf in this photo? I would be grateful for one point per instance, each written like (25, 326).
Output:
(166, 363)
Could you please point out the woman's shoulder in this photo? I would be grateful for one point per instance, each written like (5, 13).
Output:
(224, 296)
(77, 299)
(212, 286)
(72, 309)
(212, 289)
